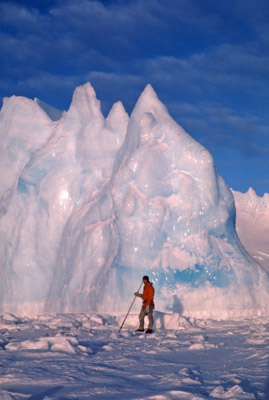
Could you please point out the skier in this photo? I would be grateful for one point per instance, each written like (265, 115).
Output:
(147, 305)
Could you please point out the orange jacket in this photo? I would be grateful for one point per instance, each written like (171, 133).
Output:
(148, 295)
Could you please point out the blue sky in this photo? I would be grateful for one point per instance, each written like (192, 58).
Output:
(208, 61)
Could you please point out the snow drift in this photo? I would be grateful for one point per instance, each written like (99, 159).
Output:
(90, 204)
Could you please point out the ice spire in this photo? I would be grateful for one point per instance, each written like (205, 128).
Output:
(91, 211)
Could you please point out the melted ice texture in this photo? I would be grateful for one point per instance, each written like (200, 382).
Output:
(252, 224)
(88, 205)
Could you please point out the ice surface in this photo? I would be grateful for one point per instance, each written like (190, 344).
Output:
(91, 204)
(252, 224)
(52, 112)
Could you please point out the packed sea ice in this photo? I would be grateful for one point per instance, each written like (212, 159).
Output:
(82, 356)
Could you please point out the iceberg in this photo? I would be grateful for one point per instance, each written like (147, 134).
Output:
(90, 204)
(252, 224)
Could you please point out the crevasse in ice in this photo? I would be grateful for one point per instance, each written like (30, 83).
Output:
(91, 204)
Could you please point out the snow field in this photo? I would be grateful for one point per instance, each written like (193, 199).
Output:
(81, 356)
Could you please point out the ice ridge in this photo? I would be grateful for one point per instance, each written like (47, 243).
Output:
(90, 204)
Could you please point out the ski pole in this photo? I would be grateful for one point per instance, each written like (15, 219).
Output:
(129, 309)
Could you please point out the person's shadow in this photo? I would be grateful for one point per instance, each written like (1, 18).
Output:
(176, 308)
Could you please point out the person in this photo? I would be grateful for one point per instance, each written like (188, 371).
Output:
(147, 305)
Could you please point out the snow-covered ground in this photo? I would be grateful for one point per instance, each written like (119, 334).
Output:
(80, 356)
